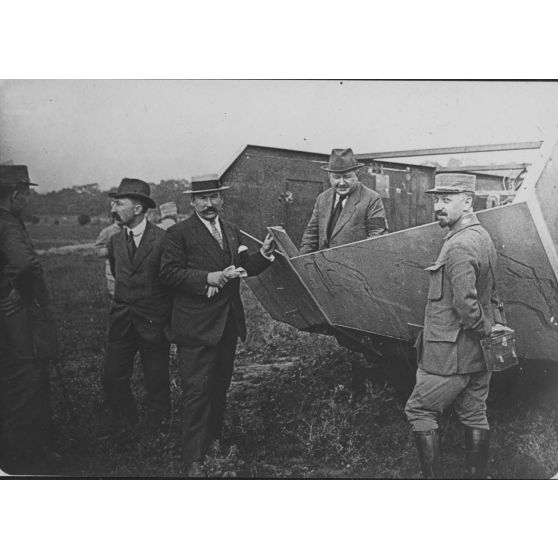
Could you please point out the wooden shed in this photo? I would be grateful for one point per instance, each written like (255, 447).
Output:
(275, 186)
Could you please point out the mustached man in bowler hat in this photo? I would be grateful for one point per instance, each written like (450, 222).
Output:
(203, 260)
(27, 335)
(460, 311)
(346, 212)
(139, 313)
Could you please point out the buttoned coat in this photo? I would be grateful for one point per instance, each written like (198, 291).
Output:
(30, 332)
(362, 216)
(461, 306)
(140, 299)
(190, 253)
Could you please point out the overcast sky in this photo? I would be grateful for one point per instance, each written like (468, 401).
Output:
(78, 132)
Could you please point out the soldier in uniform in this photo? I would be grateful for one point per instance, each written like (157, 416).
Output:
(459, 313)
(169, 215)
(27, 334)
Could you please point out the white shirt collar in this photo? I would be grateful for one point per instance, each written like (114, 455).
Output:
(138, 230)
(207, 222)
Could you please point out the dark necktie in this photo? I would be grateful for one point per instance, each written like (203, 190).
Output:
(335, 216)
(131, 245)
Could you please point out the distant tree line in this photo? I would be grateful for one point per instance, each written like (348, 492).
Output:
(90, 200)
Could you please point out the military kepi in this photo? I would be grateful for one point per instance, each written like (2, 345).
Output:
(13, 175)
(453, 183)
(204, 184)
(136, 189)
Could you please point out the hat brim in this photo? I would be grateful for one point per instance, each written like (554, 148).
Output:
(447, 191)
(194, 192)
(150, 203)
(15, 183)
(341, 171)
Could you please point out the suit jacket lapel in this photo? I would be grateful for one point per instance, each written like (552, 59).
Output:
(145, 245)
(231, 240)
(121, 253)
(347, 213)
(328, 206)
(207, 242)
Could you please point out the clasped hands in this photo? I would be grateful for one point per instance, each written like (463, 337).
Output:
(218, 279)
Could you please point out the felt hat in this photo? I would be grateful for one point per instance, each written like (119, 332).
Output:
(341, 161)
(135, 189)
(12, 175)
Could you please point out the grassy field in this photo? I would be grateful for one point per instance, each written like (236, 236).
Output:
(295, 421)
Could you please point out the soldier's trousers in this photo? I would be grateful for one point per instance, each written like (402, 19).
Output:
(206, 374)
(25, 418)
(434, 393)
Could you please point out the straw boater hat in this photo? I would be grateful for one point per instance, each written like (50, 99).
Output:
(453, 183)
(13, 175)
(135, 189)
(168, 209)
(204, 184)
(341, 161)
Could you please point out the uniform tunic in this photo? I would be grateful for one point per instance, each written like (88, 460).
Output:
(459, 313)
(27, 341)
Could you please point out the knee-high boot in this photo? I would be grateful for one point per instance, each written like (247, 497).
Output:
(429, 452)
(477, 442)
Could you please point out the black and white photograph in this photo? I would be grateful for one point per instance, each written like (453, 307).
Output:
(278, 279)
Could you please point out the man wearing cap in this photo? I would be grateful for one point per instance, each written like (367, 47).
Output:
(139, 313)
(346, 212)
(203, 260)
(459, 313)
(169, 215)
(27, 334)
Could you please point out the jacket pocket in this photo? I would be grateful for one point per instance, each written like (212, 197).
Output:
(436, 287)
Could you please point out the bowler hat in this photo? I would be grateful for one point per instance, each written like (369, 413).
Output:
(453, 183)
(136, 189)
(204, 184)
(342, 160)
(11, 175)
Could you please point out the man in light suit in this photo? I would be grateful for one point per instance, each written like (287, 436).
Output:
(140, 311)
(346, 212)
(201, 262)
(460, 311)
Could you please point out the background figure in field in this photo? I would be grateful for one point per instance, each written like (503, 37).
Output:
(460, 311)
(346, 212)
(169, 215)
(201, 260)
(139, 312)
(27, 335)
(101, 249)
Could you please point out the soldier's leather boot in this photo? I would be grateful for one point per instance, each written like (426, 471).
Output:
(429, 452)
(477, 442)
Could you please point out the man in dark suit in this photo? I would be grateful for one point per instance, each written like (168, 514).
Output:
(203, 260)
(140, 310)
(27, 335)
(460, 311)
(346, 212)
